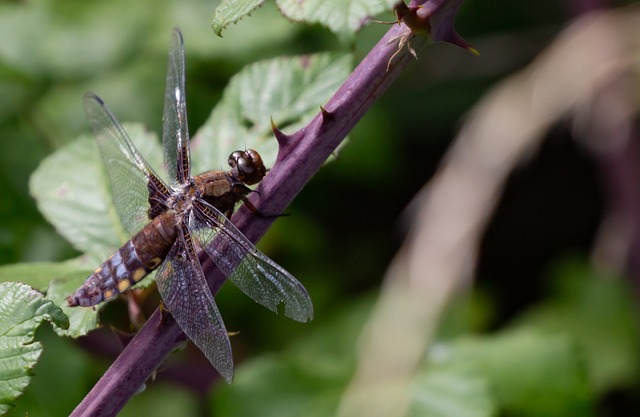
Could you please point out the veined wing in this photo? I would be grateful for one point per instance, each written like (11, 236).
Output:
(259, 277)
(175, 132)
(186, 295)
(127, 170)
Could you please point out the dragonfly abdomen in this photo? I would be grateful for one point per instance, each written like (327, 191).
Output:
(131, 263)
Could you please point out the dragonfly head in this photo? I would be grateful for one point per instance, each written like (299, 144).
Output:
(248, 166)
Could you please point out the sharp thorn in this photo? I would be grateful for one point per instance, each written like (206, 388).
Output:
(326, 114)
(282, 138)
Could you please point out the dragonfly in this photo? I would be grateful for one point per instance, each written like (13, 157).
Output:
(172, 222)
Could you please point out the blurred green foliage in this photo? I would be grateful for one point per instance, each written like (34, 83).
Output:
(562, 353)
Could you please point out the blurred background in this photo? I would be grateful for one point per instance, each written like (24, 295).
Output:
(544, 257)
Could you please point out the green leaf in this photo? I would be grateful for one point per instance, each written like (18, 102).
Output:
(22, 309)
(230, 11)
(601, 314)
(530, 373)
(451, 394)
(73, 193)
(58, 280)
(63, 374)
(289, 90)
(81, 320)
(38, 275)
(343, 17)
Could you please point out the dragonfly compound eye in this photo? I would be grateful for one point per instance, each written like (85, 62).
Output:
(248, 165)
(233, 158)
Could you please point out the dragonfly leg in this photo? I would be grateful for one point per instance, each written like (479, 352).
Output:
(257, 211)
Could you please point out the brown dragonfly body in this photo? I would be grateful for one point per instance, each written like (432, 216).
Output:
(146, 250)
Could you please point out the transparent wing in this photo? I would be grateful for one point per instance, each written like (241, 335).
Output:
(186, 295)
(128, 172)
(255, 274)
(175, 132)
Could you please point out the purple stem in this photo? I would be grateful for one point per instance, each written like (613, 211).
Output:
(301, 155)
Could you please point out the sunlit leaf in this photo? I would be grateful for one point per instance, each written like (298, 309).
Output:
(22, 309)
(230, 11)
(58, 280)
(291, 90)
(343, 17)
(81, 320)
(73, 193)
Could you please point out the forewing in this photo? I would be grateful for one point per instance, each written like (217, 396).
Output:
(175, 132)
(127, 170)
(259, 277)
(186, 295)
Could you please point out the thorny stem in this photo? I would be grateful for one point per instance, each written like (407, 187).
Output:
(301, 153)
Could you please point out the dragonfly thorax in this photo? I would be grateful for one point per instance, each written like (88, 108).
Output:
(183, 198)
